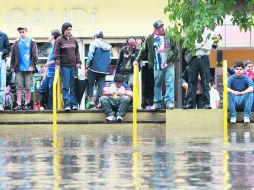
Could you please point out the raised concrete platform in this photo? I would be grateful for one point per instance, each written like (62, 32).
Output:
(198, 124)
(76, 117)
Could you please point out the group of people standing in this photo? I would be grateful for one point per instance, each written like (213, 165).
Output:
(160, 50)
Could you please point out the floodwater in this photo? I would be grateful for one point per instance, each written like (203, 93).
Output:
(107, 157)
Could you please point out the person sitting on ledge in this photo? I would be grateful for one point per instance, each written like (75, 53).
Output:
(115, 99)
(240, 96)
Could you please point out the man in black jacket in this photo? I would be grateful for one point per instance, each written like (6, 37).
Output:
(4, 51)
(128, 54)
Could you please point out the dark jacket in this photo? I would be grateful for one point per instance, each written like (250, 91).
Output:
(125, 62)
(4, 45)
(15, 55)
(148, 50)
(66, 51)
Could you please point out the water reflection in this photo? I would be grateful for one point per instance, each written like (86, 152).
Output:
(87, 157)
(241, 158)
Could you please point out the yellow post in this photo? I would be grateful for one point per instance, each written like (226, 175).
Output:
(54, 100)
(225, 101)
(135, 99)
(59, 95)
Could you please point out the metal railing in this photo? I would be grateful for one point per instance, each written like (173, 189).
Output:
(57, 98)
(135, 97)
(225, 100)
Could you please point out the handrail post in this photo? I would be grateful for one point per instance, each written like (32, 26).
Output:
(59, 95)
(56, 80)
(135, 99)
(225, 101)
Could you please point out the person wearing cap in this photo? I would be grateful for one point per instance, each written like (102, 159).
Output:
(67, 57)
(4, 51)
(162, 54)
(200, 64)
(127, 55)
(116, 99)
(97, 65)
(24, 56)
(46, 87)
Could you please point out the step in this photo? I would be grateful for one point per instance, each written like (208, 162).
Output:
(76, 117)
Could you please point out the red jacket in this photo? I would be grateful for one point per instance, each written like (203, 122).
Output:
(249, 74)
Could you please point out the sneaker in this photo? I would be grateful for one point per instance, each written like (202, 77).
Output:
(233, 120)
(18, 107)
(1, 107)
(27, 107)
(156, 107)
(67, 108)
(119, 119)
(91, 105)
(111, 118)
(74, 108)
(246, 119)
(170, 106)
(207, 106)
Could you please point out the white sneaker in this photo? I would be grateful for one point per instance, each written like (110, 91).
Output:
(233, 120)
(119, 119)
(246, 119)
(74, 107)
(68, 108)
(1, 107)
(111, 118)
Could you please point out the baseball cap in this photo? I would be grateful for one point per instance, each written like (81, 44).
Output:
(158, 24)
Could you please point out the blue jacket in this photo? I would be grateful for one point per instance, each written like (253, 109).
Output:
(4, 45)
(99, 56)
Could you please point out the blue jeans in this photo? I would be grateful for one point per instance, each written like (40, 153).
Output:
(168, 75)
(47, 89)
(2, 81)
(68, 86)
(240, 102)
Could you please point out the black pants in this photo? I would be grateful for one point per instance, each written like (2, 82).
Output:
(147, 86)
(97, 79)
(199, 66)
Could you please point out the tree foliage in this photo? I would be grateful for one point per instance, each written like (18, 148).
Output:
(188, 17)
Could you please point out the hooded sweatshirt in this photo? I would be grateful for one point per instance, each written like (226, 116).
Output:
(66, 51)
(99, 56)
(4, 44)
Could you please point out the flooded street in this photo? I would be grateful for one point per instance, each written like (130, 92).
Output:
(103, 157)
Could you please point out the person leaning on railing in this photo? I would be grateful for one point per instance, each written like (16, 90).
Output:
(46, 87)
(162, 55)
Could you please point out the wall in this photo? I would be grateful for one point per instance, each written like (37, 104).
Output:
(116, 18)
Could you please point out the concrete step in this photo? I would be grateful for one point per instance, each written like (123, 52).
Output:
(76, 117)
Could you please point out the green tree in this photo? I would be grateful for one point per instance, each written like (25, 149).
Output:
(188, 17)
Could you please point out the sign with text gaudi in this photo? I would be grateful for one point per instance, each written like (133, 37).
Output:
(115, 17)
